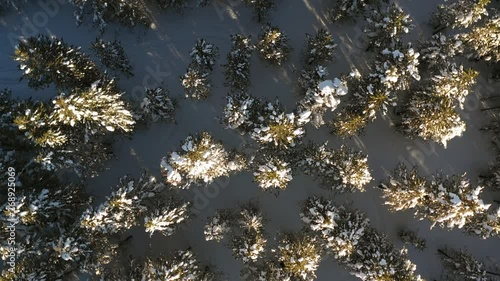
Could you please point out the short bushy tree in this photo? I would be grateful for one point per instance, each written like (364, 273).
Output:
(386, 28)
(272, 45)
(201, 160)
(156, 106)
(320, 48)
(112, 56)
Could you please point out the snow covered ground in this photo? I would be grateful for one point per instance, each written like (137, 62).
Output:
(162, 55)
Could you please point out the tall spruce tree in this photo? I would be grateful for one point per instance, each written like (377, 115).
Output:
(45, 61)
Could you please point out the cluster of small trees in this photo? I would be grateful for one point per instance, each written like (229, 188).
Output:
(73, 130)
(196, 81)
(395, 70)
(348, 236)
(59, 232)
(448, 201)
(244, 229)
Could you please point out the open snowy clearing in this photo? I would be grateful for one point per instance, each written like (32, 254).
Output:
(161, 55)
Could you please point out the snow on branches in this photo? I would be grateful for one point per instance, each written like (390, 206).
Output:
(395, 71)
(342, 169)
(156, 106)
(196, 81)
(430, 113)
(45, 61)
(448, 201)
(273, 172)
(182, 266)
(459, 14)
(320, 93)
(347, 9)
(123, 208)
(320, 48)
(201, 160)
(272, 45)
(112, 56)
(437, 51)
(386, 28)
(245, 228)
(483, 41)
(299, 255)
(237, 68)
(267, 123)
(96, 108)
(460, 265)
(166, 219)
(363, 250)
(129, 13)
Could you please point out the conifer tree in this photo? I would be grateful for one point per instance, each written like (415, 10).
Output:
(272, 45)
(437, 51)
(156, 106)
(459, 14)
(448, 201)
(112, 56)
(45, 61)
(272, 172)
(299, 255)
(411, 237)
(386, 28)
(182, 265)
(431, 111)
(319, 48)
(129, 13)
(261, 8)
(460, 265)
(201, 160)
(197, 83)
(320, 94)
(237, 68)
(204, 54)
(483, 42)
(347, 9)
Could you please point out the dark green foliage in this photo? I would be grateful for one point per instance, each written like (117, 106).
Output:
(112, 56)
(45, 61)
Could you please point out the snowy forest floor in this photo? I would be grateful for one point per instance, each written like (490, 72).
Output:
(161, 55)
